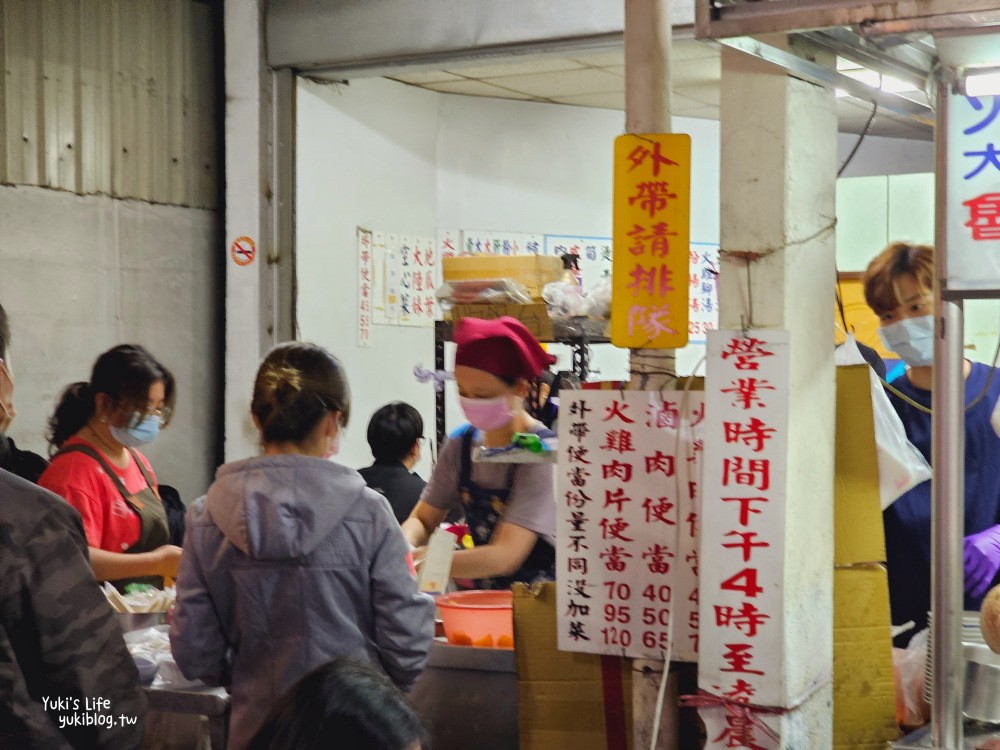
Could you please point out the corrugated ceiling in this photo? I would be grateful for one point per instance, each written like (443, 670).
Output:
(114, 97)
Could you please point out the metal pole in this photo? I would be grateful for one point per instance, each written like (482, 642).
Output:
(948, 483)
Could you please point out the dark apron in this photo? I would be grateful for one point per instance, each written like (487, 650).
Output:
(484, 508)
(153, 529)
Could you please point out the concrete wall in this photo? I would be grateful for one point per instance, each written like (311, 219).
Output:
(81, 274)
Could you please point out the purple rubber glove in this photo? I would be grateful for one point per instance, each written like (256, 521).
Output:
(982, 560)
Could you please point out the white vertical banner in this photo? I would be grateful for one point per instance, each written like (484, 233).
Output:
(409, 254)
(742, 533)
(621, 482)
(685, 413)
(393, 272)
(365, 296)
(703, 294)
(424, 271)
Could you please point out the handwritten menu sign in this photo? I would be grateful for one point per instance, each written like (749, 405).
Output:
(703, 291)
(364, 287)
(652, 217)
(418, 271)
(743, 521)
(594, 254)
(621, 484)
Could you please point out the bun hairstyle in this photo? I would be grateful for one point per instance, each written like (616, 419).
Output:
(297, 385)
(125, 373)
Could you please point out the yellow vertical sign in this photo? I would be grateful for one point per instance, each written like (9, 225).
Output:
(652, 216)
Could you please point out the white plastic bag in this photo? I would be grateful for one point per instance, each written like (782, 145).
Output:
(901, 467)
(909, 668)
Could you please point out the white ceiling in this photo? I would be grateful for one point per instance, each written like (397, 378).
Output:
(598, 80)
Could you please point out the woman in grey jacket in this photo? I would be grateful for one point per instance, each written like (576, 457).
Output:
(290, 560)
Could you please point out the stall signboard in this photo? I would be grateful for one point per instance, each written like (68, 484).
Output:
(627, 522)
(652, 215)
(973, 193)
(364, 287)
(742, 532)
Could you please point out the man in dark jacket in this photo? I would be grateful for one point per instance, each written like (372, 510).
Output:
(23, 463)
(66, 677)
(394, 434)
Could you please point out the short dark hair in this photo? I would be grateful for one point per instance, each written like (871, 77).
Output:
(345, 703)
(4, 332)
(392, 431)
(297, 385)
(125, 373)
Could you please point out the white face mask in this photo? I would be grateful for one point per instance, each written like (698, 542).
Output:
(7, 412)
(912, 339)
(334, 447)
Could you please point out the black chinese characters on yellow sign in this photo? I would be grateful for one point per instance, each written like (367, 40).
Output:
(652, 212)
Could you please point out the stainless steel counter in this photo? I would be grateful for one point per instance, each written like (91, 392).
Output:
(467, 697)
(975, 733)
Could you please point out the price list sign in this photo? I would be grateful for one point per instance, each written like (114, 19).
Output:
(619, 488)
(743, 521)
(365, 280)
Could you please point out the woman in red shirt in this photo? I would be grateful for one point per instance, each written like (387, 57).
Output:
(96, 429)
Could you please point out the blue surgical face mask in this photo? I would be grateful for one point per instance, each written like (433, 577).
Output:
(142, 434)
(912, 339)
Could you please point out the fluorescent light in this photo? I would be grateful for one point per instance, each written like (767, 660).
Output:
(983, 83)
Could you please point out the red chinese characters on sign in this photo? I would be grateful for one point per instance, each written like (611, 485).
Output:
(618, 530)
(652, 219)
(984, 216)
(743, 521)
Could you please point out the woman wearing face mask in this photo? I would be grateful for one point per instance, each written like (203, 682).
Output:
(290, 560)
(96, 429)
(898, 287)
(510, 508)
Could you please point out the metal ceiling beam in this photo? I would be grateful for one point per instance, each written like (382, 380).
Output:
(905, 63)
(715, 20)
(352, 38)
(824, 76)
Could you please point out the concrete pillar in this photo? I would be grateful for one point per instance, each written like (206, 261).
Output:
(777, 235)
(259, 130)
(647, 110)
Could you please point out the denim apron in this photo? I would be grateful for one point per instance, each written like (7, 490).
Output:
(153, 529)
(484, 508)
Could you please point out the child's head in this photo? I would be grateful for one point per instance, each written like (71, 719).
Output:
(345, 703)
(394, 432)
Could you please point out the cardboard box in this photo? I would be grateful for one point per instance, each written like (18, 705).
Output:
(864, 692)
(533, 271)
(858, 533)
(535, 316)
(567, 700)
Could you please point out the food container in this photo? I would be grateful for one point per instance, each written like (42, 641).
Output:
(982, 684)
(478, 618)
(138, 620)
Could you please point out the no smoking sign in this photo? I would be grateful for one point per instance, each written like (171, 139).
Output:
(243, 250)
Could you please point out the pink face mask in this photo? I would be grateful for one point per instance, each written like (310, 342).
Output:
(487, 413)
